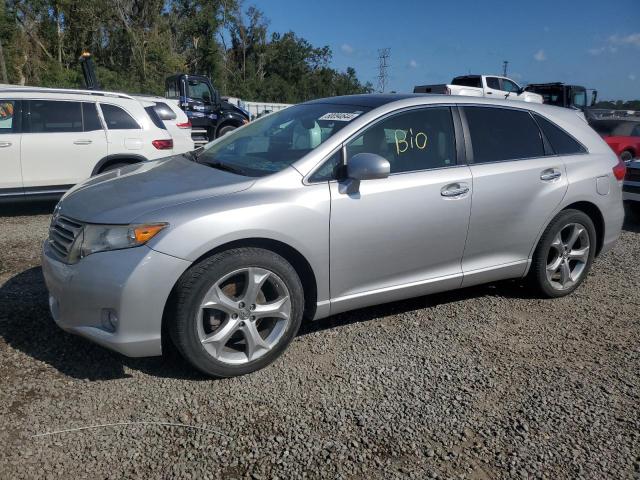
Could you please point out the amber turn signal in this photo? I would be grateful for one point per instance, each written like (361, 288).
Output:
(144, 233)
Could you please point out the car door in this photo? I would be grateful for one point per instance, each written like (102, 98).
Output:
(124, 133)
(510, 90)
(59, 149)
(403, 235)
(492, 87)
(516, 189)
(10, 136)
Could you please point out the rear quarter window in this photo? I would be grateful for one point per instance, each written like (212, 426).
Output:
(117, 119)
(561, 142)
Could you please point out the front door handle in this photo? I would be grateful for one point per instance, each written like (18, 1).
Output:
(550, 174)
(82, 142)
(454, 190)
(5, 144)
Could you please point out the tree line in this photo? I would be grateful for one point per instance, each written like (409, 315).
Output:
(136, 44)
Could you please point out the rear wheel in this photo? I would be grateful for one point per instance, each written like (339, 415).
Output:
(626, 156)
(226, 129)
(114, 166)
(564, 254)
(237, 311)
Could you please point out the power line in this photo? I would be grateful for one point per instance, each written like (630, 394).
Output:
(383, 65)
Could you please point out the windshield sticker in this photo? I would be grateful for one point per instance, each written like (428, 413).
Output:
(339, 116)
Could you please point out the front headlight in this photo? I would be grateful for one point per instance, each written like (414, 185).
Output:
(100, 238)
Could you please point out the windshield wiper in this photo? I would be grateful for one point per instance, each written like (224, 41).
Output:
(225, 167)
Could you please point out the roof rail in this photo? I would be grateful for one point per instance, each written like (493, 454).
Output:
(28, 89)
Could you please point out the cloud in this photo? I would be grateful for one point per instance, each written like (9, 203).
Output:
(632, 39)
(346, 48)
(540, 56)
(596, 51)
(632, 77)
(413, 64)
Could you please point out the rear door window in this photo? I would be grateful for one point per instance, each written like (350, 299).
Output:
(8, 116)
(47, 116)
(117, 119)
(501, 134)
(493, 83)
(90, 118)
(561, 142)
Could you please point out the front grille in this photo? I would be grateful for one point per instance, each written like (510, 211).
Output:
(62, 233)
(633, 175)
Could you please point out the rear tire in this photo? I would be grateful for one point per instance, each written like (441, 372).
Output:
(237, 311)
(226, 129)
(626, 156)
(114, 166)
(564, 254)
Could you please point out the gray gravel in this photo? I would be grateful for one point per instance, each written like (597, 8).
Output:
(481, 383)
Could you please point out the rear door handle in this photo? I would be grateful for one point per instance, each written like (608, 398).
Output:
(5, 144)
(454, 190)
(82, 142)
(550, 175)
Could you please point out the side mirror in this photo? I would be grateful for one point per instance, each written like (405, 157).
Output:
(364, 166)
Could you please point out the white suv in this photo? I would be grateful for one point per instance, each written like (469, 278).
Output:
(176, 121)
(51, 139)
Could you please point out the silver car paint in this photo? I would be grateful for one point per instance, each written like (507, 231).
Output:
(397, 238)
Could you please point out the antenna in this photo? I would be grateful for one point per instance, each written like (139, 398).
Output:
(505, 64)
(383, 64)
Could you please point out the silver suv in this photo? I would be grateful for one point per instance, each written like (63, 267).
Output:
(325, 207)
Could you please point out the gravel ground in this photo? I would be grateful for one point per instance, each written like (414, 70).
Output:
(481, 383)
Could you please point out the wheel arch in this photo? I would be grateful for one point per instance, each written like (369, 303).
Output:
(596, 217)
(290, 254)
(129, 158)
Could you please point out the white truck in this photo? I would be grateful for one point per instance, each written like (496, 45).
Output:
(489, 86)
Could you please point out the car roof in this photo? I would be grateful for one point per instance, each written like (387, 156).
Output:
(370, 100)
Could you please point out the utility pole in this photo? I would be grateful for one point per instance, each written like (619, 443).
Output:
(504, 68)
(383, 65)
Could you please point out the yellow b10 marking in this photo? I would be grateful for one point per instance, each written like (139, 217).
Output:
(402, 145)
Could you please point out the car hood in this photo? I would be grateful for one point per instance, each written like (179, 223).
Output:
(123, 195)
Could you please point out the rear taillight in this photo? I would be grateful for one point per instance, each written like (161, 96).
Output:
(163, 144)
(620, 170)
(183, 125)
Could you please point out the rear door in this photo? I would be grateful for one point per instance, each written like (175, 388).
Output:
(60, 147)
(492, 87)
(10, 172)
(516, 189)
(124, 133)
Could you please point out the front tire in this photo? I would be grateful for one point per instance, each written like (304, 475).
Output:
(237, 311)
(564, 254)
(226, 129)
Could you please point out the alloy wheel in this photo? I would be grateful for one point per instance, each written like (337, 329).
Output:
(568, 256)
(243, 315)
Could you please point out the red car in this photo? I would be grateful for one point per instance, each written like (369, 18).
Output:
(623, 136)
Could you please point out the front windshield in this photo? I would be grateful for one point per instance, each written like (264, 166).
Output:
(275, 141)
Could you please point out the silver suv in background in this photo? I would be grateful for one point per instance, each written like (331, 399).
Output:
(326, 207)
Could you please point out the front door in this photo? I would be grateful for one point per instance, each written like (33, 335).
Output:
(516, 189)
(10, 172)
(404, 235)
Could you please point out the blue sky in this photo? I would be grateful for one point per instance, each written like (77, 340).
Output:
(591, 43)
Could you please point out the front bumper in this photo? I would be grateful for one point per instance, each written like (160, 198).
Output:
(133, 283)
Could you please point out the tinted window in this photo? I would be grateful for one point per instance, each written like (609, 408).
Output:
(414, 140)
(579, 99)
(493, 82)
(153, 115)
(55, 117)
(117, 119)
(172, 89)
(561, 142)
(499, 134)
(474, 81)
(330, 170)
(90, 117)
(164, 111)
(7, 118)
(199, 91)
